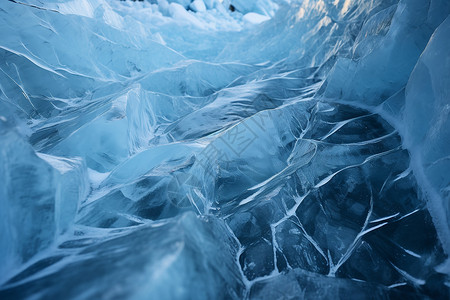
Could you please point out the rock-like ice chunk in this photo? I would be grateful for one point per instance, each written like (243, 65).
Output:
(427, 124)
(197, 6)
(39, 198)
(188, 257)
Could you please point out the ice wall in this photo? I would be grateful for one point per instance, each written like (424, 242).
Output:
(426, 121)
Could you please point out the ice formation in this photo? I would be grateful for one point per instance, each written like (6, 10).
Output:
(235, 149)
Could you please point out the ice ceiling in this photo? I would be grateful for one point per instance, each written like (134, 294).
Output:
(224, 149)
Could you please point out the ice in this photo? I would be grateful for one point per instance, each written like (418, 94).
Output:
(209, 3)
(40, 196)
(197, 5)
(261, 7)
(227, 149)
(255, 18)
(427, 124)
(130, 264)
(384, 67)
(306, 285)
(184, 3)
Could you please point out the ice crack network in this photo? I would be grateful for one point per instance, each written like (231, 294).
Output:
(225, 149)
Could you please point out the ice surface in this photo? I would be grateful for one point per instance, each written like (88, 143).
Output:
(428, 125)
(255, 18)
(182, 150)
(166, 260)
(197, 5)
(262, 7)
(40, 196)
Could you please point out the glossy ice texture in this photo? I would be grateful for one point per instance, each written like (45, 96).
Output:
(173, 149)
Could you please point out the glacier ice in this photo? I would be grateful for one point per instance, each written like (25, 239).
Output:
(40, 196)
(129, 263)
(267, 149)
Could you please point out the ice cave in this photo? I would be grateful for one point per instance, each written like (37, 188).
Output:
(224, 149)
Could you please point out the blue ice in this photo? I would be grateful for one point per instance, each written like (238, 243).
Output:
(225, 149)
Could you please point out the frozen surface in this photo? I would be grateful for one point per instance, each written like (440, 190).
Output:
(177, 149)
